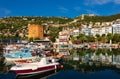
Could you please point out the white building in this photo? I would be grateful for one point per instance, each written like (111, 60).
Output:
(95, 31)
(86, 31)
(61, 45)
(116, 28)
(76, 33)
(108, 29)
(100, 31)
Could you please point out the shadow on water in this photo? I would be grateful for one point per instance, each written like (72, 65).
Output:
(11, 75)
(38, 76)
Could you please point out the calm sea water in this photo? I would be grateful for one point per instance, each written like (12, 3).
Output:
(92, 64)
(72, 74)
(7, 76)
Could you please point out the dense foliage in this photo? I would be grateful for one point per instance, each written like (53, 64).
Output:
(99, 18)
(11, 27)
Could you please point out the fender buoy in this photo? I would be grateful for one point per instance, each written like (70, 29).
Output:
(62, 66)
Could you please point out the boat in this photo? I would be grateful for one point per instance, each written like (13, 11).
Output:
(24, 52)
(19, 56)
(33, 68)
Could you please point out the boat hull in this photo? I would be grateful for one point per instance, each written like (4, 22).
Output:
(37, 75)
(32, 72)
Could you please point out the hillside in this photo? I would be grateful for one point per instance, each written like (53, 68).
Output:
(20, 21)
(13, 26)
(98, 18)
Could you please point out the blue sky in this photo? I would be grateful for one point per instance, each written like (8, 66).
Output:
(66, 8)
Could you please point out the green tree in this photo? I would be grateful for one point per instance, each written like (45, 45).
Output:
(103, 38)
(116, 38)
(30, 39)
(81, 37)
(109, 37)
(90, 38)
(98, 38)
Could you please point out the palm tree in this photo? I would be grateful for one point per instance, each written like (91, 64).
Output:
(90, 39)
(103, 38)
(116, 38)
(81, 37)
(109, 36)
(97, 37)
(72, 38)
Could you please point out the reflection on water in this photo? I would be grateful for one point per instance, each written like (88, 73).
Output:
(39, 76)
(91, 64)
(73, 74)
(2, 64)
(99, 57)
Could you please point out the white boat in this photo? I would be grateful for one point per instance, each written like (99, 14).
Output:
(19, 56)
(33, 68)
(23, 53)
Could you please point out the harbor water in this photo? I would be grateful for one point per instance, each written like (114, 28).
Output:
(90, 64)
